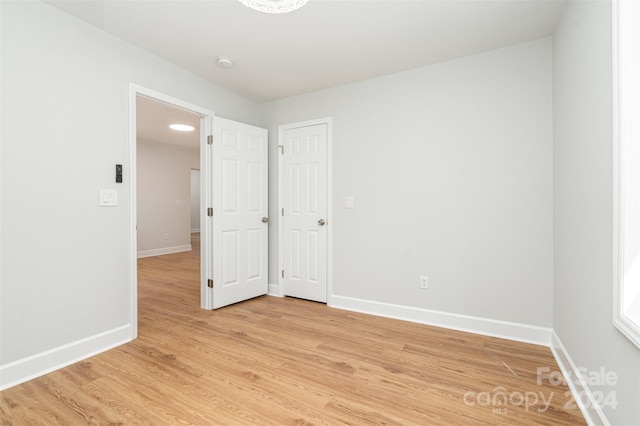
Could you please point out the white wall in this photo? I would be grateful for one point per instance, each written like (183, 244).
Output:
(65, 124)
(583, 272)
(450, 166)
(164, 196)
(195, 199)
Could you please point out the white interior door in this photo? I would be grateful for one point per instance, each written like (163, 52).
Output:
(240, 228)
(305, 212)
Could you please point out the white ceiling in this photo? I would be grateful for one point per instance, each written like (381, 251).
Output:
(324, 44)
(153, 119)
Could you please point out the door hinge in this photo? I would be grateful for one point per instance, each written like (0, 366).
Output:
(281, 149)
(210, 140)
(283, 273)
(283, 211)
(210, 283)
(210, 211)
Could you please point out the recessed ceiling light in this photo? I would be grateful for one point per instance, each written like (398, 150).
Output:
(182, 127)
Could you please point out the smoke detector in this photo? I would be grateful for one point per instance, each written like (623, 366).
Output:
(224, 62)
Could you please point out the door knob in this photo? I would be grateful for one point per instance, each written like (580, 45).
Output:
(265, 220)
(321, 222)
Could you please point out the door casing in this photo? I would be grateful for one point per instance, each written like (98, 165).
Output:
(281, 240)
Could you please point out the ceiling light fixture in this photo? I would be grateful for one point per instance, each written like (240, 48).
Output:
(182, 127)
(274, 6)
(224, 62)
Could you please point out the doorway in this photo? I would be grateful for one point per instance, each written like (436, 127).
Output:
(233, 184)
(166, 159)
(204, 120)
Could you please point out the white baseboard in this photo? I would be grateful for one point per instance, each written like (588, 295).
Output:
(590, 408)
(274, 290)
(488, 327)
(195, 230)
(22, 370)
(165, 250)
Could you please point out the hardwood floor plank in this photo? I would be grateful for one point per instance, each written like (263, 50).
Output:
(288, 362)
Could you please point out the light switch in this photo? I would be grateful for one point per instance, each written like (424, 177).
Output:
(108, 198)
(349, 202)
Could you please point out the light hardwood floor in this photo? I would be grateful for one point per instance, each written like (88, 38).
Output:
(288, 361)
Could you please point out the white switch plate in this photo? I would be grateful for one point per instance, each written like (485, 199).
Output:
(108, 198)
(349, 202)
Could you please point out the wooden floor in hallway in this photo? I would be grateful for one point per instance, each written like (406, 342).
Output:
(283, 361)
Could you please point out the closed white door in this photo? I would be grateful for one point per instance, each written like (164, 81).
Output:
(240, 228)
(305, 212)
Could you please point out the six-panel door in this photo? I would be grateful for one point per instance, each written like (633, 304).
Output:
(240, 209)
(305, 212)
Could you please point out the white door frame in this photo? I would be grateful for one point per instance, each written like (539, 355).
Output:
(281, 129)
(206, 128)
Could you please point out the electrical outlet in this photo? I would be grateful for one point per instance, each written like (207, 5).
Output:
(166, 236)
(424, 281)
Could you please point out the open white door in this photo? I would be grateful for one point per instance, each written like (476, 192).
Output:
(240, 206)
